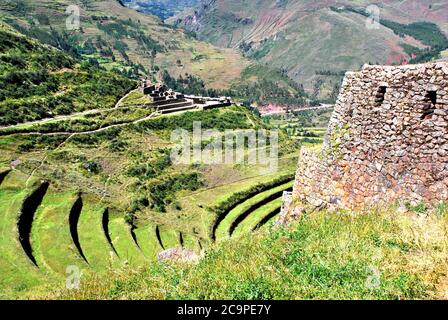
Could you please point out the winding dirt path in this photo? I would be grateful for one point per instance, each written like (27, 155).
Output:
(68, 116)
(70, 134)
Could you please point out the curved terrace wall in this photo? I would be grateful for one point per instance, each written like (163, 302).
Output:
(387, 140)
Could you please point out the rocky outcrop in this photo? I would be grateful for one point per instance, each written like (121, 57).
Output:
(387, 141)
(178, 255)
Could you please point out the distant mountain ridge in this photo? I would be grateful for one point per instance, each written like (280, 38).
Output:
(164, 9)
(121, 38)
(316, 41)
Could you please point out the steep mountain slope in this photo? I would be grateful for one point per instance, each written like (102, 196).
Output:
(101, 190)
(161, 8)
(39, 81)
(314, 41)
(121, 38)
(408, 11)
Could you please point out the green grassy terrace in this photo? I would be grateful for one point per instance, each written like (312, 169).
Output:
(381, 254)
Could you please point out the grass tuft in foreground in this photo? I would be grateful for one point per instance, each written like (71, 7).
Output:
(380, 255)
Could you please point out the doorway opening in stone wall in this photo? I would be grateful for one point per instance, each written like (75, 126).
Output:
(429, 105)
(380, 95)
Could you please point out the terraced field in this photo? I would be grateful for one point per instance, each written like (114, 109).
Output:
(251, 213)
(44, 230)
(76, 202)
(259, 217)
(94, 235)
(191, 242)
(126, 246)
(148, 241)
(18, 270)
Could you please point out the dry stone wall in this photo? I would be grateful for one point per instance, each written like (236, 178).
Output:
(387, 141)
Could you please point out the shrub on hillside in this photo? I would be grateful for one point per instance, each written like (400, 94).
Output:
(40, 82)
(210, 119)
(161, 193)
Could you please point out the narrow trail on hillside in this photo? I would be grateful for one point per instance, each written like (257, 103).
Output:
(75, 133)
(57, 118)
(70, 133)
(4, 132)
(236, 181)
(68, 116)
(45, 158)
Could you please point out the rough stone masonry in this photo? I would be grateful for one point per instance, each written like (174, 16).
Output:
(387, 141)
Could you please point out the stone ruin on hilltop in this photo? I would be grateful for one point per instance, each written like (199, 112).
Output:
(387, 141)
(166, 100)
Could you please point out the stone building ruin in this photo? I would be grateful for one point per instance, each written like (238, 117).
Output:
(387, 142)
(166, 100)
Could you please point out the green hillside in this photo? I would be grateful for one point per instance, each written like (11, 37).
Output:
(42, 82)
(382, 256)
(120, 38)
(89, 182)
(315, 42)
(161, 8)
(134, 44)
